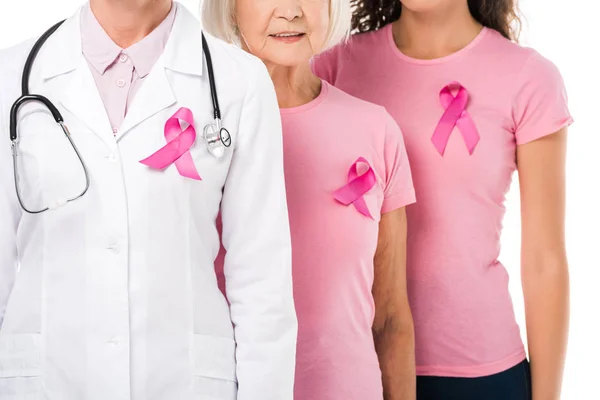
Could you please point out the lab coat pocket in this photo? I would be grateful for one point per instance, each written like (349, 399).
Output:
(214, 368)
(20, 367)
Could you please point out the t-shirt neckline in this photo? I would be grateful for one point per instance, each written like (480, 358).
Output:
(311, 104)
(389, 33)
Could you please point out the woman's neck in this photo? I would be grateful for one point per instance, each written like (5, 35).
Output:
(435, 34)
(128, 21)
(294, 86)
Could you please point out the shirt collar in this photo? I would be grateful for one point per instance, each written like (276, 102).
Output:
(101, 52)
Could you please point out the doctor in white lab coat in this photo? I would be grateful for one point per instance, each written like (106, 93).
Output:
(113, 296)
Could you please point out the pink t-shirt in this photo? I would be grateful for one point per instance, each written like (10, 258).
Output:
(333, 245)
(464, 320)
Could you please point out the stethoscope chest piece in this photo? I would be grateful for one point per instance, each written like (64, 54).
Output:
(216, 136)
(217, 139)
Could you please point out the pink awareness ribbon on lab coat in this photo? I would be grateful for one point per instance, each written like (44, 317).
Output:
(177, 149)
(455, 114)
(357, 187)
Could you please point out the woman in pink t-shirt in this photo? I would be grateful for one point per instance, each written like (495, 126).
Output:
(348, 181)
(474, 106)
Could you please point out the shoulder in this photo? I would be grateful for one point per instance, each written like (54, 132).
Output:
(356, 46)
(518, 68)
(531, 67)
(12, 59)
(353, 58)
(519, 56)
(12, 62)
(365, 41)
(536, 66)
(366, 116)
(231, 58)
(230, 55)
(240, 68)
(368, 126)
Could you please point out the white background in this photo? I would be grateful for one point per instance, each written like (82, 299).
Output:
(566, 32)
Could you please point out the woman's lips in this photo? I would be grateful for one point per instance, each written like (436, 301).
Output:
(288, 37)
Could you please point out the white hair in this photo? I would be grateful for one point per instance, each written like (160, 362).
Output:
(218, 19)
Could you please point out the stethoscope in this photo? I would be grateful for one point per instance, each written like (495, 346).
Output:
(217, 138)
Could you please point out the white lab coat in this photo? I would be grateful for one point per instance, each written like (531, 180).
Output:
(116, 296)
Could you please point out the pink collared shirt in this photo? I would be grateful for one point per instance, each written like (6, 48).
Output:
(119, 73)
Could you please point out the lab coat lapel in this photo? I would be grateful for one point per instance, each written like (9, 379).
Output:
(154, 95)
(83, 100)
(62, 58)
(183, 55)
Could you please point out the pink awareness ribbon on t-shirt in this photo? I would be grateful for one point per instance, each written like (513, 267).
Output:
(357, 187)
(455, 114)
(177, 149)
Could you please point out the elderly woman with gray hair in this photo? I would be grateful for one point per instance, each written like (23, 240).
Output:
(348, 181)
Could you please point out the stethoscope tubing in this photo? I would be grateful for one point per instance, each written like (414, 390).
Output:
(223, 135)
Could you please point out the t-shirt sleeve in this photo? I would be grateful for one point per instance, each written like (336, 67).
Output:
(399, 190)
(541, 106)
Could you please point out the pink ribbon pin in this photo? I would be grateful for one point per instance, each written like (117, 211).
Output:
(455, 114)
(357, 187)
(177, 149)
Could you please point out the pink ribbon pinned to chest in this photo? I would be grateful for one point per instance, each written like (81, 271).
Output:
(177, 149)
(455, 115)
(358, 185)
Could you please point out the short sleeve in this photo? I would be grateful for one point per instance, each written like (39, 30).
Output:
(399, 190)
(540, 107)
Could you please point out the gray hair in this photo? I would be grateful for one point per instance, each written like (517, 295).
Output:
(218, 19)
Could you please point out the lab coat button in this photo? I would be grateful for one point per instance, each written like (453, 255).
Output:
(112, 158)
(114, 341)
(114, 248)
(121, 83)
